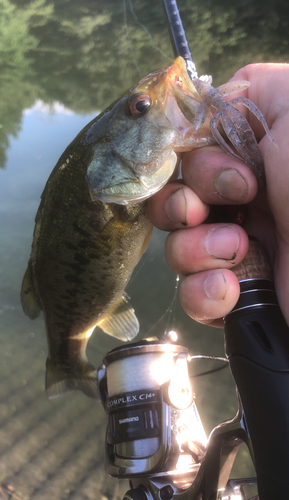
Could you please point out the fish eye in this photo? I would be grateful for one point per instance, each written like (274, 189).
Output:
(139, 104)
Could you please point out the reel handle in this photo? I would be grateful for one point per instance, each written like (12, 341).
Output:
(256, 263)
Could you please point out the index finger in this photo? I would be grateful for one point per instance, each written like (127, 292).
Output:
(218, 178)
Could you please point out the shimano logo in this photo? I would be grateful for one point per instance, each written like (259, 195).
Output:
(127, 420)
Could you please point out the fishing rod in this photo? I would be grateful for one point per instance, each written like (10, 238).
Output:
(155, 437)
(178, 37)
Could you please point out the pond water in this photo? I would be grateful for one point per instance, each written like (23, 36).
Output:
(66, 63)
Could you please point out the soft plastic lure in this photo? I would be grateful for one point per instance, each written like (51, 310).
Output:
(235, 125)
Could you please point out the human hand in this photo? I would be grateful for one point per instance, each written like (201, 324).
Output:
(205, 253)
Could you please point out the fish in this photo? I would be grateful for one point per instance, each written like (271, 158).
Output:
(92, 226)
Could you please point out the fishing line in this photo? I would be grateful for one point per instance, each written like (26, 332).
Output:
(213, 370)
(129, 38)
(144, 259)
(172, 307)
(169, 311)
(207, 356)
(147, 31)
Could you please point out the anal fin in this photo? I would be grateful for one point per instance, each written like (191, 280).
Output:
(122, 322)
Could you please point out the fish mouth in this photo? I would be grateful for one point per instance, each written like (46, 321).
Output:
(178, 76)
(182, 112)
(187, 104)
(183, 89)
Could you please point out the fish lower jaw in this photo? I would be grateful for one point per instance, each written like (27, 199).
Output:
(126, 199)
(146, 187)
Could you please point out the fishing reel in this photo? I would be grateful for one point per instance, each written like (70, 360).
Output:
(155, 437)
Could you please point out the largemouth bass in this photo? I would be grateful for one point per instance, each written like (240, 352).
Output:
(91, 227)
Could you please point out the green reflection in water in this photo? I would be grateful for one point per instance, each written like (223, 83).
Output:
(85, 54)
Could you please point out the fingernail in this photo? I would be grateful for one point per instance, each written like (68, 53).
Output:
(231, 186)
(222, 242)
(215, 286)
(176, 207)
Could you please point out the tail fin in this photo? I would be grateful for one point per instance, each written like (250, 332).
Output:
(60, 379)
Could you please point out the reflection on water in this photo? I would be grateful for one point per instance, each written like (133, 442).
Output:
(86, 54)
(78, 55)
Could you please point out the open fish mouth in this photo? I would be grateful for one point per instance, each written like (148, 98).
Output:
(183, 92)
(187, 104)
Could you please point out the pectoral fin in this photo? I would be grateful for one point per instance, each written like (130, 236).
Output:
(28, 299)
(122, 322)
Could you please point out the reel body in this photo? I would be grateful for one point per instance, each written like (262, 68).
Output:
(153, 421)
